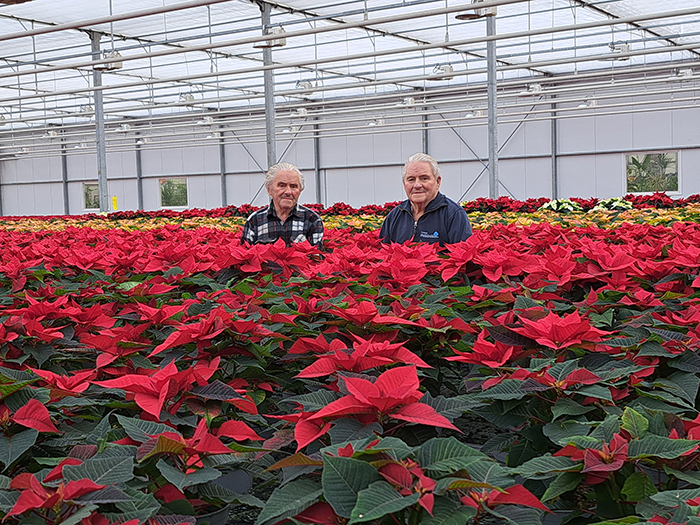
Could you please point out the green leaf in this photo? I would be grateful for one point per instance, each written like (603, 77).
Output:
(598, 391)
(692, 477)
(518, 515)
(638, 486)
(607, 429)
(103, 471)
(182, 480)
(378, 500)
(446, 455)
(13, 447)
(498, 443)
(660, 447)
(140, 430)
(289, 500)
(653, 349)
(687, 362)
(545, 467)
(342, 479)
(109, 494)
(634, 423)
(505, 390)
(7, 500)
(567, 407)
(313, 401)
(672, 498)
(562, 484)
(344, 430)
(141, 506)
(448, 512)
(79, 516)
(560, 431)
(490, 472)
(682, 384)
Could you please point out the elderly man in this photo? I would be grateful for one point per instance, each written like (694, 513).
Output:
(284, 218)
(427, 215)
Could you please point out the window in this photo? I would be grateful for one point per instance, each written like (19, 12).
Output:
(91, 196)
(652, 172)
(173, 193)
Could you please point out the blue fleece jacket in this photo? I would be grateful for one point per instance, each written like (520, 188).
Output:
(444, 221)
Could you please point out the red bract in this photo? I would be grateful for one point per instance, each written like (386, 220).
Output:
(34, 415)
(485, 353)
(557, 332)
(35, 496)
(515, 495)
(151, 392)
(393, 395)
(66, 385)
(366, 355)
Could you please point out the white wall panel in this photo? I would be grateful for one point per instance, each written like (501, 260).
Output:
(362, 169)
(614, 132)
(576, 135)
(652, 130)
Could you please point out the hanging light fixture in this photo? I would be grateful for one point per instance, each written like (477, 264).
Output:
(532, 90)
(107, 55)
(305, 85)
(442, 72)
(477, 12)
(276, 42)
(618, 51)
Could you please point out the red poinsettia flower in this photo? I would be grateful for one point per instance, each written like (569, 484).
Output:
(34, 495)
(515, 495)
(487, 354)
(557, 332)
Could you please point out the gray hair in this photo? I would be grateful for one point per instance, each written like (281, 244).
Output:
(422, 157)
(283, 166)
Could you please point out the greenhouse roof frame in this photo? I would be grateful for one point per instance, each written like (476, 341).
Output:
(345, 64)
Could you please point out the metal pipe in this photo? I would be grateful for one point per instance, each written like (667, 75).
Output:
(64, 175)
(269, 82)
(317, 165)
(425, 137)
(555, 147)
(492, 106)
(99, 128)
(107, 19)
(139, 175)
(222, 168)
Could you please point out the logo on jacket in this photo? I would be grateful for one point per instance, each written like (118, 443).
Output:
(426, 235)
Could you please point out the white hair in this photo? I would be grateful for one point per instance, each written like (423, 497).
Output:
(422, 157)
(283, 166)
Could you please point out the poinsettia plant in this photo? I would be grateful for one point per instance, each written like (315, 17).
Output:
(533, 368)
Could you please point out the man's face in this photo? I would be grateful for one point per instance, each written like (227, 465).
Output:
(420, 184)
(285, 190)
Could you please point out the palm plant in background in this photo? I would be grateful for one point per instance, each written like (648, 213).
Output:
(653, 172)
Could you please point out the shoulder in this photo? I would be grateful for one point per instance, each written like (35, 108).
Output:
(451, 205)
(256, 214)
(308, 212)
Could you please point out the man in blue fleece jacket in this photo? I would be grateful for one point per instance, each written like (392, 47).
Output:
(427, 215)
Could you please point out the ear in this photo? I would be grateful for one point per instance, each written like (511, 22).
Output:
(439, 179)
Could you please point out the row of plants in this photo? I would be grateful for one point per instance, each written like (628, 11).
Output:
(501, 204)
(530, 371)
(601, 218)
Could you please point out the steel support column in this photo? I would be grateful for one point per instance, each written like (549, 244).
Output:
(64, 174)
(222, 167)
(269, 82)
(424, 132)
(317, 166)
(493, 107)
(139, 174)
(555, 148)
(99, 126)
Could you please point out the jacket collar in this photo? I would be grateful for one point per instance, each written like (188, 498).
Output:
(438, 202)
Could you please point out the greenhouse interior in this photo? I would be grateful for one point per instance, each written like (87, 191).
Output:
(385, 262)
(514, 98)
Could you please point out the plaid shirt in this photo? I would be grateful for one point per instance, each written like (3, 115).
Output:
(264, 226)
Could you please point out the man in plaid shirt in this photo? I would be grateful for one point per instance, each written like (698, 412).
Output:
(284, 218)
